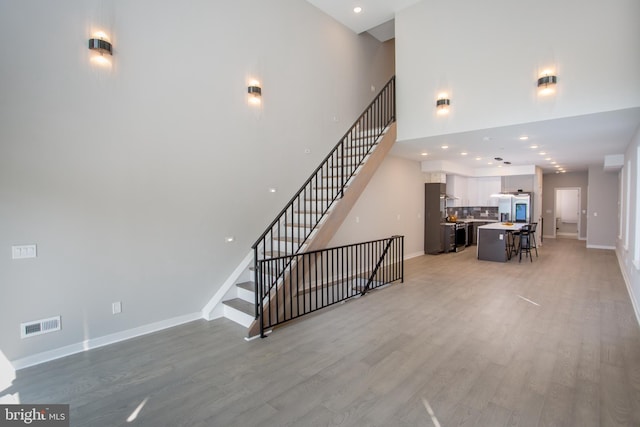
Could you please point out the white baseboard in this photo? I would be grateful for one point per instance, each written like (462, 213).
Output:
(413, 255)
(625, 277)
(92, 343)
(611, 248)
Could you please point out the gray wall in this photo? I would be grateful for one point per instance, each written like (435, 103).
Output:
(603, 208)
(552, 181)
(129, 177)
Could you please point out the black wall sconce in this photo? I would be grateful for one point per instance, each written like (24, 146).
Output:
(255, 92)
(547, 84)
(442, 105)
(101, 46)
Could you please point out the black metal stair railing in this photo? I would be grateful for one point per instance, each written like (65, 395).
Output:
(310, 281)
(293, 226)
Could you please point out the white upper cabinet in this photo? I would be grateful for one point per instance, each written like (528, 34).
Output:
(470, 191)
(457, 187)
(485, 187)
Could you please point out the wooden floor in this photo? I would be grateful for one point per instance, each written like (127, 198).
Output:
(461, 342)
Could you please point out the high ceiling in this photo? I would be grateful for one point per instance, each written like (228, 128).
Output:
(376, 16)
(569, 144)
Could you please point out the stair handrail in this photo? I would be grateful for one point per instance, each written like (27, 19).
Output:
(379, 114)
(378, 264)
(348, 264)
(389, 86)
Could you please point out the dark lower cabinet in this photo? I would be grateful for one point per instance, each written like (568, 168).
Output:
(434, 207)
(491, 245)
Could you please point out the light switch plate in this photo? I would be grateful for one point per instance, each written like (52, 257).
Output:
(116, 307)
(23, 251)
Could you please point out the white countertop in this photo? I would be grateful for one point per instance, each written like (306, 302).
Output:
(469, 220)
(501, 226)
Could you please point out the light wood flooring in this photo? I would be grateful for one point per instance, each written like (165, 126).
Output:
(461, 342)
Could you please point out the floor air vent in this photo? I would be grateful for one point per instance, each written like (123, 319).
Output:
(39, 327)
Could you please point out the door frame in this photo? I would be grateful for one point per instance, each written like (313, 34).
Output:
(555, 200)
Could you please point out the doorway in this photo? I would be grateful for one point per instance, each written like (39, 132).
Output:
(567, 213)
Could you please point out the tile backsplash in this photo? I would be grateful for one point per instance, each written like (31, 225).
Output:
(475, 212)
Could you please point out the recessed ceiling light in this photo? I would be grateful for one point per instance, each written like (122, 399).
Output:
(464, 153)
(357, 9)
(444, 147)
(424, 154)
(524, 138)
(548, 158)
(490, 163)
(272, 190)
(553, 163)
(542, 153)
(556, 166)
(478, 158)
(533, 146)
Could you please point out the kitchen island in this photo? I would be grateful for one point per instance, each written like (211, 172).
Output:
(492, 240)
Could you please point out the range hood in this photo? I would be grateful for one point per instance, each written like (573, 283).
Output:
(507, 195)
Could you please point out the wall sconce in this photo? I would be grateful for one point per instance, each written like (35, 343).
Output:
(442, 104)
(101, 46)
(547, 84)
(255, 92)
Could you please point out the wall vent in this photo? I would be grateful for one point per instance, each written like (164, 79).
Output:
(39, 327)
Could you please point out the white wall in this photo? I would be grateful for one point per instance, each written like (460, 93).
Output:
(129, 177)
(392, 204)
(628, 241)
(487, 56)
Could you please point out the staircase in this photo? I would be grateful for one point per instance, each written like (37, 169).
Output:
(315, 213)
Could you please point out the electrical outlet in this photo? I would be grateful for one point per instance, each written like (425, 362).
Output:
(116, 307)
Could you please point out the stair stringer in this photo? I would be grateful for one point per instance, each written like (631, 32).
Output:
(214, 309)
(338, 213)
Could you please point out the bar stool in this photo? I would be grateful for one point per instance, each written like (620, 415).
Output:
(524, 244)
(533, 243)
(512, 249)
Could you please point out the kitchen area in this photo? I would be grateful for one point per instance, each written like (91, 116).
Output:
(452, 221)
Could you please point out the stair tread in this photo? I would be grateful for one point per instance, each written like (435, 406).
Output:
(295, 225)
(289, 239)
(241, 305)
(249, 285)
(276, 254)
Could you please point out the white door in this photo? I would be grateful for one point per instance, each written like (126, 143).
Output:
(567, 213)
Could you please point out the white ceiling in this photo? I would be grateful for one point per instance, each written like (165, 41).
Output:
(573, 143)
(376, 15)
